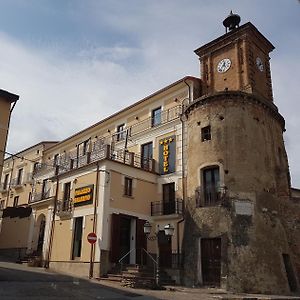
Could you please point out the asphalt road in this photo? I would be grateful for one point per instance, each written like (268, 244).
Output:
(23, 282)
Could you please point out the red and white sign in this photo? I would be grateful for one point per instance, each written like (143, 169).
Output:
(92, 238)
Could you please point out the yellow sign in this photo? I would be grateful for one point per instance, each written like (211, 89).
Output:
(166, 153)
(84, 194)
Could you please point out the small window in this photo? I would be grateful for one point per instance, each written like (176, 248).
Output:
(55, 160)
(205, 134)
(16, 201)
(20, 175)
(5, 184)
(128, 187)
(121, 132)
(2, 203)
(156, 117)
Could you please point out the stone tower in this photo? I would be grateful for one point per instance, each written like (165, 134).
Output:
(238, 175)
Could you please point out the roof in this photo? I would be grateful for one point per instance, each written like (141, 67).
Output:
(31, 147)
(10, 97)
(131, 106)
(232, 35)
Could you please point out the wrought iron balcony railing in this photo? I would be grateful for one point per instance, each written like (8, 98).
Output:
(68, 162)
(161, 208)
(64, 208)
(4, 188)
(35, 197)
(16, 182)
(209, 196)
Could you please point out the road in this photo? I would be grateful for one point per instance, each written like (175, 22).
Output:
(22, 282)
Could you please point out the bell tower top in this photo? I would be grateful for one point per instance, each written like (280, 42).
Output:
(232, 21)
(237, 60)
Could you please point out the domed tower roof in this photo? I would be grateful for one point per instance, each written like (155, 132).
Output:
(232, 21)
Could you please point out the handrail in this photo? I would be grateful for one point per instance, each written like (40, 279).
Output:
(119, 261)
(150, 256)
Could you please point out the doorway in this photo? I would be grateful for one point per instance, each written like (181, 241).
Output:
(125, 230)
(211, 261)
(165, 249)
(41, 235)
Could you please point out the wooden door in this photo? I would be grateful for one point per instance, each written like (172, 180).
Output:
(211, 261)
(165, 249)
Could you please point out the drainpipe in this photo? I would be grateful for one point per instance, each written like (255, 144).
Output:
(92, 254)
(183, 169)
(10, 179)
(52, 225)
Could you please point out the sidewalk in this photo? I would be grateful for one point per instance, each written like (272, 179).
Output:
(185, 293)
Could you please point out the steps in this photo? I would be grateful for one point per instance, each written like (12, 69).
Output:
(137, 276)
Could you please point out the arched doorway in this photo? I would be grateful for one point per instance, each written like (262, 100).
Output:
(41, 233)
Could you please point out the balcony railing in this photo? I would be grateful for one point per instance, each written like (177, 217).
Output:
(161, 208)
(39, 196)
(3, 188)
(64, 208)
(209, 196)
(16, 182)
(68, 162)
(165, 117)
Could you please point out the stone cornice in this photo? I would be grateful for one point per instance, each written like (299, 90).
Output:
(237, 96)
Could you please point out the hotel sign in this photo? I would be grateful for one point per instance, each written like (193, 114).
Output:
(167, 151)
(84, 195)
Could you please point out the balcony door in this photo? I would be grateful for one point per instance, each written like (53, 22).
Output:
(169, 198)
(147, 155)
(211, 184)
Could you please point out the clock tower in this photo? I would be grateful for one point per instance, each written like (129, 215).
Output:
(237, 61)
(238, 178)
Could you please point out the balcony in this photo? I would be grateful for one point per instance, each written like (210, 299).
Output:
(36, 197)
(4, 188)
(16, 183)
(64, 209)
(160, 208)
(210, 196)
(69, 162)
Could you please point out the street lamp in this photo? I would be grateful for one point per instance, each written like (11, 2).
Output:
(169, 231)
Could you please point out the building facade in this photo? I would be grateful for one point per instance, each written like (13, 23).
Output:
(204, 155)
(7, 104)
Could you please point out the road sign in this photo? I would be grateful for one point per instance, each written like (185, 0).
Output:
(92, 238)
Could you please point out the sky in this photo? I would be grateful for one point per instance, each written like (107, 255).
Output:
(75, 62)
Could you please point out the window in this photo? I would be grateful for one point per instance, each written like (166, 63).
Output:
(121, 132)
(55, 160)
(16, 201)
(77, 238)
(44, 189)
(20, 175)
(35, 167)
(168, 198)
(82, 148)
(205, 134)
(5, 184)
(67, 194)
(147, 152)
(211, 186)
(2, 203)
(156, 117)
(128, 187)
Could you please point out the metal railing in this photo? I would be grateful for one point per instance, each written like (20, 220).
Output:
(68, 162)
(39, 196)
(161, 208)
(64, 207)
(16, 182)
(4, 188)
(209, 196)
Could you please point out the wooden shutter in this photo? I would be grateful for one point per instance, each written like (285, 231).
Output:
(115, 238)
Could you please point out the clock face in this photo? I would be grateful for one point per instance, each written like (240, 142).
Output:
(224, 65)
(259, 64)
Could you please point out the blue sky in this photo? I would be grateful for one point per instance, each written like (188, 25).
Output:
(75, 62)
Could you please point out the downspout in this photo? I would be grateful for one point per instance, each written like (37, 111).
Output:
(183, 169)
(52, 225)
(92, 254)
(10, 179)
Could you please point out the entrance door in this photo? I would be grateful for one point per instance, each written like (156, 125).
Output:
(125, 230)
(165, 249)
(211, 261)
(41, 236)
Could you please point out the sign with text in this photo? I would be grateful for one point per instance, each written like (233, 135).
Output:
(84, 195)
(167, 155)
